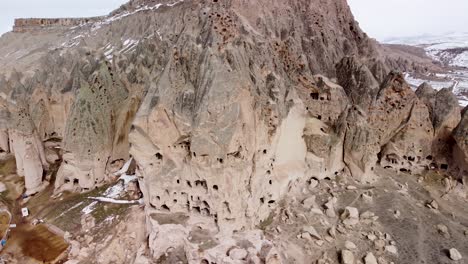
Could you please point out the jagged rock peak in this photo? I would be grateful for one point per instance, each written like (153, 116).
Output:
(358, 81)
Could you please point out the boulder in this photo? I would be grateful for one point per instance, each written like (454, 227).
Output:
(238, 253)
(350, 216)
(454, 254)
(347, 257)
(370, 259)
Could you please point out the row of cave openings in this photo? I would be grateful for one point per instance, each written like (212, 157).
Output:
(320, 96)
(194, 203)
(324, 97)
(201, 205)
(433, 165)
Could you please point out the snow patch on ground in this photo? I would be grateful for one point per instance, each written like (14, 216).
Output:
(125, 167)
(124, 14)
(440, 48)
(78, 34)
(451, 49)
(115, 201)
(457, 81)
(114, 191)
(110, 218)
(447, 40)
(438, 85)
(111, 194)
(461, 60)
(464, 103)
(128, 178)
(90, 208)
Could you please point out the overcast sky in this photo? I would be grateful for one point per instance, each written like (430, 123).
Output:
(381, 19)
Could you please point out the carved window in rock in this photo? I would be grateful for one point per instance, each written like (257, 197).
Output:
(314, 96)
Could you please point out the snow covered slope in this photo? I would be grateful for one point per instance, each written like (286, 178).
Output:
(451, 50)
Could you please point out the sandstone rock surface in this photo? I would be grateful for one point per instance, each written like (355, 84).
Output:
(226, 109)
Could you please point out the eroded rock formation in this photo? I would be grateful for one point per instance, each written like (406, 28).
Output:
(460, 150)
(225, 106)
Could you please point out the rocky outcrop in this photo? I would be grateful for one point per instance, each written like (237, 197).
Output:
(358, 82)
(93, 124)
(4, 140)
(427, 94)
(409, 150)
(400, 125)
(460, 150)
(224, 107)
(28, 149)
(360, 144)
(445, 116)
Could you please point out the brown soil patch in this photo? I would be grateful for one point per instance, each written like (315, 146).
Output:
(4, 223)
(39, 243)
(8, 165)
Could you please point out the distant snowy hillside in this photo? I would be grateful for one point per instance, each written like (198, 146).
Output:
(449, 49)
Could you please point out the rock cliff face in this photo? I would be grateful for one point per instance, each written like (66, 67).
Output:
(460, 150)
(224, 106)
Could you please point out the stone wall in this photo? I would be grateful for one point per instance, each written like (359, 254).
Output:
(28, 24)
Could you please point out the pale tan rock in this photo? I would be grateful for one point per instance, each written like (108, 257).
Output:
(360, 144)
(310, 202)
(4, 141)
(73, 261)
(51, 156)
(379, 244)
(350, 216)
(370, 258)
(75, 249)
(350, 245)
(87, 222)
(460, 150)
(445, 116)
(347, 257)
(273, 258)
(358, 82)
(392, 249)
(443, 230)
(238, 253)
(454, 254)
(29, 160)
(313, 232)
